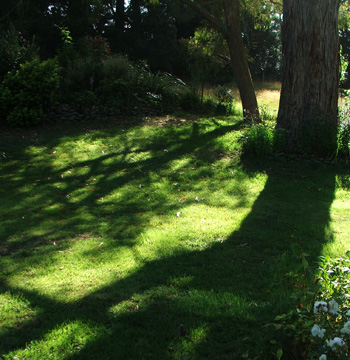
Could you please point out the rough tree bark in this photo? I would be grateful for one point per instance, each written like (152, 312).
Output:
(309, 97)
(231, 30)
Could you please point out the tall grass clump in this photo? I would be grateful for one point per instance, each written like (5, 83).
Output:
(258, 140)
(264, 138)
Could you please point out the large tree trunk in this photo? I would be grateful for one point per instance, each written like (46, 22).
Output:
(231, 30)
(239, 62)
(309, 97)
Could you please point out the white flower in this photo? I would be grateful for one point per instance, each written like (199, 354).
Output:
(333, 307)
(320, 307)
(317, 331)
(337, 341)
(323, 357)
(346, 328)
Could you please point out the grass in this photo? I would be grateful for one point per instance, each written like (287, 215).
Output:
(113, 236)
(267, 93)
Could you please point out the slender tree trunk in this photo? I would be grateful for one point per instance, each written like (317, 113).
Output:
(239, 62)
(231, 30)
(309, 96)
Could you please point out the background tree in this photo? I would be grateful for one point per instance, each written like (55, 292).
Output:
(229, 25)
(309, 96)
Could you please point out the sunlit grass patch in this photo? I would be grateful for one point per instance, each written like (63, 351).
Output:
(16, 311)
(64, 340)
(112, 238)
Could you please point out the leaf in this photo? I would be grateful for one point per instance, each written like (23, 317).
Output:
(279, 354)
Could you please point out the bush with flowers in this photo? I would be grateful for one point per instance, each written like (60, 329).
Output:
(318, 326)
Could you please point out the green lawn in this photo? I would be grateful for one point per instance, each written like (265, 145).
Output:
(113, 236)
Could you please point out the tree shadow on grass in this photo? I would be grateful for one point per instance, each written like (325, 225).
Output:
(221, 294)
(49, 193)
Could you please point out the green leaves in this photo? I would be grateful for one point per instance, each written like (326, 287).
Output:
(28, 93)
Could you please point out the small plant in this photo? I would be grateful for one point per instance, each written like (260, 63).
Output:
(319, 323)
(27, 94)
(224, 96)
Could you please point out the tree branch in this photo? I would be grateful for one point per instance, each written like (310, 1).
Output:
(212, 20)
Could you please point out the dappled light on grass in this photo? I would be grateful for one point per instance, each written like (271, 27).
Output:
(123, 234)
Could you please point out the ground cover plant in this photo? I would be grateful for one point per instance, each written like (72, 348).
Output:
(154, 241)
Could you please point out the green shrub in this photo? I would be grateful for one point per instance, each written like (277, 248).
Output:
(343, 134)
(116, 81)
(258, 140)
(223, 95)
(189, 100)
(76, 76)
(27, 94)
(123, 83)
